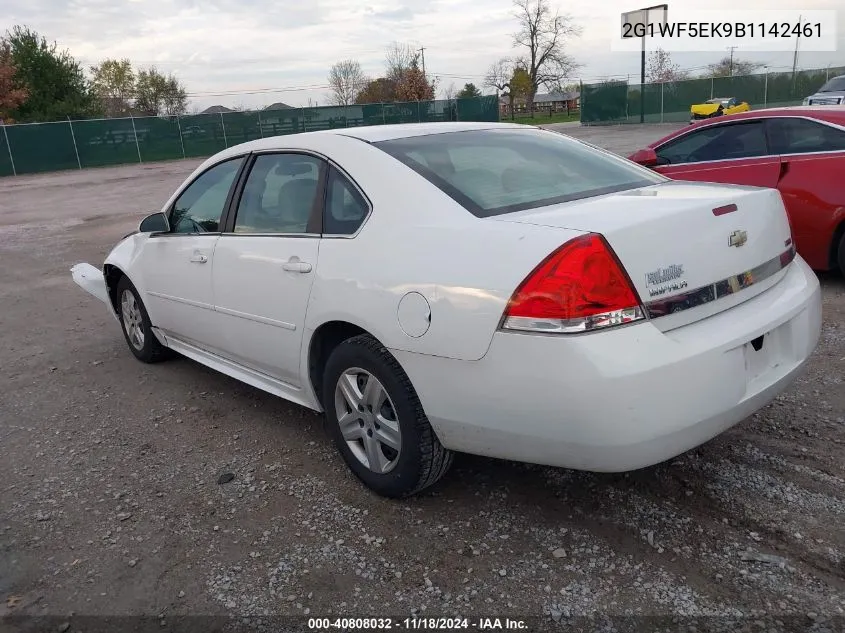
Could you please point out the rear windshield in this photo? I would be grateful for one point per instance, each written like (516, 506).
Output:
(491, 172)
(837, 84)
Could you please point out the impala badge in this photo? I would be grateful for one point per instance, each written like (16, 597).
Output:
(738, 238)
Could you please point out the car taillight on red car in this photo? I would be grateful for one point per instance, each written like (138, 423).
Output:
(579, 287)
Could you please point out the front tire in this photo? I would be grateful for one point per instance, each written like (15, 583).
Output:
(136, 326)
(377, 421)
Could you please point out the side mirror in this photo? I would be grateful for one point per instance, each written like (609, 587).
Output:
(646, 157)
(154, 223)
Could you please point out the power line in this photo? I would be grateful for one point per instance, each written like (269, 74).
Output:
(451, 75)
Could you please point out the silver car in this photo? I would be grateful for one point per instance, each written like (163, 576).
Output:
(831, 93)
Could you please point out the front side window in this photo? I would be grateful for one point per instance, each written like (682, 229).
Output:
(345, 207)
(716, 142)
(491, 172)
(280, 194)
(800, 136)
(199, 208)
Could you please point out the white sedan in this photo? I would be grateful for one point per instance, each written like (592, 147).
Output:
(493, 289)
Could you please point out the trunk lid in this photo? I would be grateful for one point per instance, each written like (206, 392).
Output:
(691, 249)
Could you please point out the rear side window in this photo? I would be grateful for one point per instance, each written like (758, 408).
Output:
(280, 194)
(345, 207)
(800, 136)
(716, 142)
(491, 172)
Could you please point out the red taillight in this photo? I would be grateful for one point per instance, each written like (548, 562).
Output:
(581, 286)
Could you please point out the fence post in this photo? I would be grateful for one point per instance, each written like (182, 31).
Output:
(260, 127)
(766, 88)
(75, 148)
(711, 87)
(9, 147)
(382, 114)
(181, 140)
(223, 124)
(135, 134)
(661, 101)
(419, 118)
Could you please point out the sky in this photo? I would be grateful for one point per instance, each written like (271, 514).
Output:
(250, 53)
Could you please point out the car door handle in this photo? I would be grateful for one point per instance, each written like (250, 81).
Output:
(297, 267)
(199, 258)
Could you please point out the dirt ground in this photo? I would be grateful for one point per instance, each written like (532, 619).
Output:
(110, 503)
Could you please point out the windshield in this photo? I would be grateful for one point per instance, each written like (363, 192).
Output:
(491, 172)
(837, 84)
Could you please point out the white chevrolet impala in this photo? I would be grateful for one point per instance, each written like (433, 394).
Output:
(486, 288)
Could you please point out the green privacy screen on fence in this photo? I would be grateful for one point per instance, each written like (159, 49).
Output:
(619, 102)
(41, 147)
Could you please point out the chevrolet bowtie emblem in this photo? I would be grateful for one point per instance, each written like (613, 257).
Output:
(738, 238)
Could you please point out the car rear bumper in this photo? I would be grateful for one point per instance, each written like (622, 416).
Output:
(626, 398)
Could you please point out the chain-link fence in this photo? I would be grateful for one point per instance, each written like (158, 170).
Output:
(619, 101)
(40, 147)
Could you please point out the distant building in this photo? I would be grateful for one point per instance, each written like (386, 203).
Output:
(216, 109)
(547, 102)
(279, 106)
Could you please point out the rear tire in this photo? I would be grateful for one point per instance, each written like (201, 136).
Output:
(136, 326)
(377, 421)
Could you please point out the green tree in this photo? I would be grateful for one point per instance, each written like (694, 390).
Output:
(511, 78)
(157, 94)
(469, 91)
(114, 84)
(55, 83)
(520, 83)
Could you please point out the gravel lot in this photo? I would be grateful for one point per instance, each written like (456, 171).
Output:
(110, 503)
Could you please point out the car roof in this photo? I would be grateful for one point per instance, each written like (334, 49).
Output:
(366, 133)
(376, 133)
(831, 114)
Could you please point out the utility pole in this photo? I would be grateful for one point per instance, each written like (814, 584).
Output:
(422, 52)
(731, 71)
(795, 55)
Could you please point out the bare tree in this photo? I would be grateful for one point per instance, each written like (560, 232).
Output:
(398, 59)
(542, 35)
(730, 67)
(450, 91)
(661, 68)
(346, 80)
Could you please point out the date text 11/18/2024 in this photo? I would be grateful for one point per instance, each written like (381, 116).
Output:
(415, 623)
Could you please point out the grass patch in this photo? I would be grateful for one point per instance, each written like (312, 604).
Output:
(545, 119)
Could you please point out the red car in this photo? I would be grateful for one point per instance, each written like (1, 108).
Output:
(800, 151)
